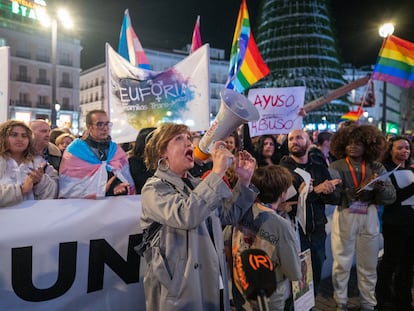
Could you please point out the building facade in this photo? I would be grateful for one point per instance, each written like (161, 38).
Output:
(32, 66)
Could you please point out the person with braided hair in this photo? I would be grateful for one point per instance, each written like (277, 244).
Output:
(355, 223)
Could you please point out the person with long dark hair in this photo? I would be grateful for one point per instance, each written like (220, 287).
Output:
(24, 175)
(139, 171)
(395, 271)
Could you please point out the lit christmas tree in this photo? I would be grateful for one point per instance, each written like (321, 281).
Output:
(296, 40)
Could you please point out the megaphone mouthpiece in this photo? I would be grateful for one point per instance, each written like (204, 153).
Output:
(235, 110)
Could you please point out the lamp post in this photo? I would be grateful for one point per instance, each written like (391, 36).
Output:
(64, 18)
(384, 31)
(54, 49)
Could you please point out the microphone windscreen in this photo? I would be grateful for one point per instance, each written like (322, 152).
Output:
(255, 273)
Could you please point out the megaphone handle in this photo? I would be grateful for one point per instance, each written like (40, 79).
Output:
(261, 301)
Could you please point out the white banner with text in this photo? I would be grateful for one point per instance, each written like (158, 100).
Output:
(140, 98)
(278, 109)
(71, 255)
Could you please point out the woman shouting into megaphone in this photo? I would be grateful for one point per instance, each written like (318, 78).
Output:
(182, 218)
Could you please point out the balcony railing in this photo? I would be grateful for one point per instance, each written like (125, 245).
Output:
(67, 107)
(66, 62)
(23, 78)
(23, 54)
(42, 105)
(43, 58)
(66, 84)
(43, 81)
(21, 103)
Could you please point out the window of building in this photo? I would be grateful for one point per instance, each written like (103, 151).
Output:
(42, 54)
(42, 74)
(24, 99)
(66, 80)
(22, 72)
(66, 103)
(43, 101)
(65, 77)
(66, 59)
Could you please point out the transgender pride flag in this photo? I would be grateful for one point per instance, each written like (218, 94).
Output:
(129, 46)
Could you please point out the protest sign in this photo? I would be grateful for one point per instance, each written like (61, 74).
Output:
(278, 109)
(139, 98)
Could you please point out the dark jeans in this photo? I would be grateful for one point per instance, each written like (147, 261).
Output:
(395, 270)
(316, 242)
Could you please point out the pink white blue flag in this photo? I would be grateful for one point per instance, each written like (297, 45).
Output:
(129, 46)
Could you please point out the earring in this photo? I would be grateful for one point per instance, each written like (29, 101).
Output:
(163, 164)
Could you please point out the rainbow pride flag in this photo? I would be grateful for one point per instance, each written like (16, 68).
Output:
(353, 115)
(196, 40)
(246, 64)
(395, 62)
(129, 46)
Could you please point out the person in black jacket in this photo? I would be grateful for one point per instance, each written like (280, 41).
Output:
(320, 151)
(395, 271)
(137, 167)
(322, 190)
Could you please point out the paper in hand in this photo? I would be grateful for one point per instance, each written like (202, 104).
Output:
(382, 177)
(303, 195)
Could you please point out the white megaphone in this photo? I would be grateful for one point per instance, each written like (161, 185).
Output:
(235, 109)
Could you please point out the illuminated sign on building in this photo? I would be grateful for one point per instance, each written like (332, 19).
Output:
(31, 9)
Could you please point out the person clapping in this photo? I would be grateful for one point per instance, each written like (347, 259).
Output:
(23, 174)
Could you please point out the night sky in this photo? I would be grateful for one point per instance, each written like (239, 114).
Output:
(168, 24)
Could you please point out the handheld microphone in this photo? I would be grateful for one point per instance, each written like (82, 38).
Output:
(256, 275)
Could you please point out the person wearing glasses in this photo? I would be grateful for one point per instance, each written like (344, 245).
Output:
(94, 166)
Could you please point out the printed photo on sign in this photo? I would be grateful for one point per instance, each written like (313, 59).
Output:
(278, 109)
(303, 294)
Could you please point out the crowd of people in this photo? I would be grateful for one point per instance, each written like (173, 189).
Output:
(267, 192)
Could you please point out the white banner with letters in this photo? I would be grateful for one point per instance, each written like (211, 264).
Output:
(71, 255)
(141, 98)
(278, 109)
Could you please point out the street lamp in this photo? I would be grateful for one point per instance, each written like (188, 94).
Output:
(64, 18)
(384, 31)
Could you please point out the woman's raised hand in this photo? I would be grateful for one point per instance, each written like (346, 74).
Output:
(222, 158)
(245, 166)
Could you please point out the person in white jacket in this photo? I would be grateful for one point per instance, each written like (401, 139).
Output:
(23, 174)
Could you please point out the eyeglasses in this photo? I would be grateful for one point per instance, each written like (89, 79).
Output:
(101, 124)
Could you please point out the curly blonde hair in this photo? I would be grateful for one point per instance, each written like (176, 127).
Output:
(158, 142)
(5, 130)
